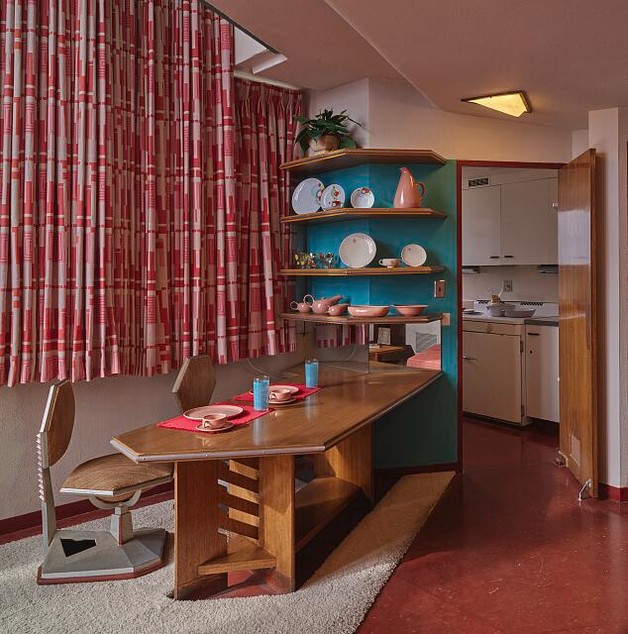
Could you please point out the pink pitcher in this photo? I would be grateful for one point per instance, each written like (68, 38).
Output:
(407, 193)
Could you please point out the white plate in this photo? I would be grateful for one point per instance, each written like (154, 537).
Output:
(362, 198)
(357, 250)
(333, 197)
(197, 413)
(306, 197)
(413, 255)
(226, 427)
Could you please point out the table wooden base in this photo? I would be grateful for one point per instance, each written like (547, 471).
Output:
(253, 519)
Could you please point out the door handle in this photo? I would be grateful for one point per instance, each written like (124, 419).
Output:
(534, 334)
(494, 257)
(509, 256)
(467, 358)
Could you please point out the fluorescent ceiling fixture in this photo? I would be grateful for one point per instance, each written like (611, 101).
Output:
(511, 103)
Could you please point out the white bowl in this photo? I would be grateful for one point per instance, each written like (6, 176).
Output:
(368, 311)
(410, 310)
(496, 310)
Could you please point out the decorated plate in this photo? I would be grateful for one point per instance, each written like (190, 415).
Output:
(413, 255)
(286, 401)
(333, 197)
(362, 198)
(357, 250)
(306, 197)
(197, 413)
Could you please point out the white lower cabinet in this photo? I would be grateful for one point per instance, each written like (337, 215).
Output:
(492, 375)
(541, 363)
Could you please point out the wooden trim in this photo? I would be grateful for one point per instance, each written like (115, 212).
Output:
(348, 320)
(366, 271)
(32, 521)
(347, 213)
(341, 159)
(513, 164)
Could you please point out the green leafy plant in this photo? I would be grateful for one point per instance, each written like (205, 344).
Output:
(325, 122)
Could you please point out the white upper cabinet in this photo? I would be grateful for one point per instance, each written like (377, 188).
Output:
(481, 234)
(510, 223)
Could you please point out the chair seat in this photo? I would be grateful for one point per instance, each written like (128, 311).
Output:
(113, 475)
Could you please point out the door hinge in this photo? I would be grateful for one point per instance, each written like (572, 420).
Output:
(521, 346)
(523, 411)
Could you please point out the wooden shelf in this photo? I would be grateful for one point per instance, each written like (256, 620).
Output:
(367, 271)
(347, 320)
(349, 213)
(242, 554)
(341, 159)
(318, 503)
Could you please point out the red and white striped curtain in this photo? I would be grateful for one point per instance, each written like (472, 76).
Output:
(266, 129)
(120, 244)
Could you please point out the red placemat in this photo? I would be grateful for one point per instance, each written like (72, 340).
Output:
(185, 424)
(304, 392)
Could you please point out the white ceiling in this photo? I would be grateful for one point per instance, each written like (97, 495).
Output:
(571, 56)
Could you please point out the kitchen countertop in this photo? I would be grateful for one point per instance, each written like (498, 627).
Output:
(528, 321)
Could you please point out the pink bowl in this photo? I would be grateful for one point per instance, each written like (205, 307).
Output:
(368, 311)
(410, 310)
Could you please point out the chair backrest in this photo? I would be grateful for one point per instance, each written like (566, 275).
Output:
(57, 423)
(195, 383)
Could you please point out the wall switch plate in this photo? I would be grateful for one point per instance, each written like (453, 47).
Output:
(507, 286)
(439, 289)
(446, 320)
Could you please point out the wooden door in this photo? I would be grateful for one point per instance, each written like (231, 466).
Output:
(578, 318)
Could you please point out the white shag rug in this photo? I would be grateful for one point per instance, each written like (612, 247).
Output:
(334, 600)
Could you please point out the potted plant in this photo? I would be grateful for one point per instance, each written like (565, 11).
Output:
(325, 132)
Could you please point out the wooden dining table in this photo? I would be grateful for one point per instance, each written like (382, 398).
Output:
(235, 502)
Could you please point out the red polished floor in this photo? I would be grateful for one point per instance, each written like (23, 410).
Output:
(510, 549)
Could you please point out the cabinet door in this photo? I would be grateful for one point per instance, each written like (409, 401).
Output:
(542, 372)
(492, 375)
(480, 226)
(529, 226)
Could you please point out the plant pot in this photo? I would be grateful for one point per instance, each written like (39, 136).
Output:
(325, 143)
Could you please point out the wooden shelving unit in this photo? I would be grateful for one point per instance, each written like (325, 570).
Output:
(365, 272)
(341, 159)
(347, 320)
(349, 213)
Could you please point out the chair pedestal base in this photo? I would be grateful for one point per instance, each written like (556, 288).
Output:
(79, 556)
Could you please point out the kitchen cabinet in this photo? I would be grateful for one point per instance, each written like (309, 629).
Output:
(542, 381)
(492, 372)
(481, 232)
(510, 224)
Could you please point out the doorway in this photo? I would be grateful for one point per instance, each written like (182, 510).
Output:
(509, 377)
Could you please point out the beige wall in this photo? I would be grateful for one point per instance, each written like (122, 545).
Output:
(104, 408)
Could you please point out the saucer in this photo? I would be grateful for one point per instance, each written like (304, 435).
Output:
(226, 427)
(286, 401)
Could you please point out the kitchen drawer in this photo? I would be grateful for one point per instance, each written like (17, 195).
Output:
(492, 327)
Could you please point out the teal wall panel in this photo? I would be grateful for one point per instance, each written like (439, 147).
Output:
(423, 430)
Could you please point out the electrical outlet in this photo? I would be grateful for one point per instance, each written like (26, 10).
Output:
(507, 286)
(439, 289)
(446, 320)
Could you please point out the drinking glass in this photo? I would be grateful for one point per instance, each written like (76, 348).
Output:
(311, 373)
(261, 387)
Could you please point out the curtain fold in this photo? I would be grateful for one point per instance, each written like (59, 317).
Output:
(266, 130)
(127, 241)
